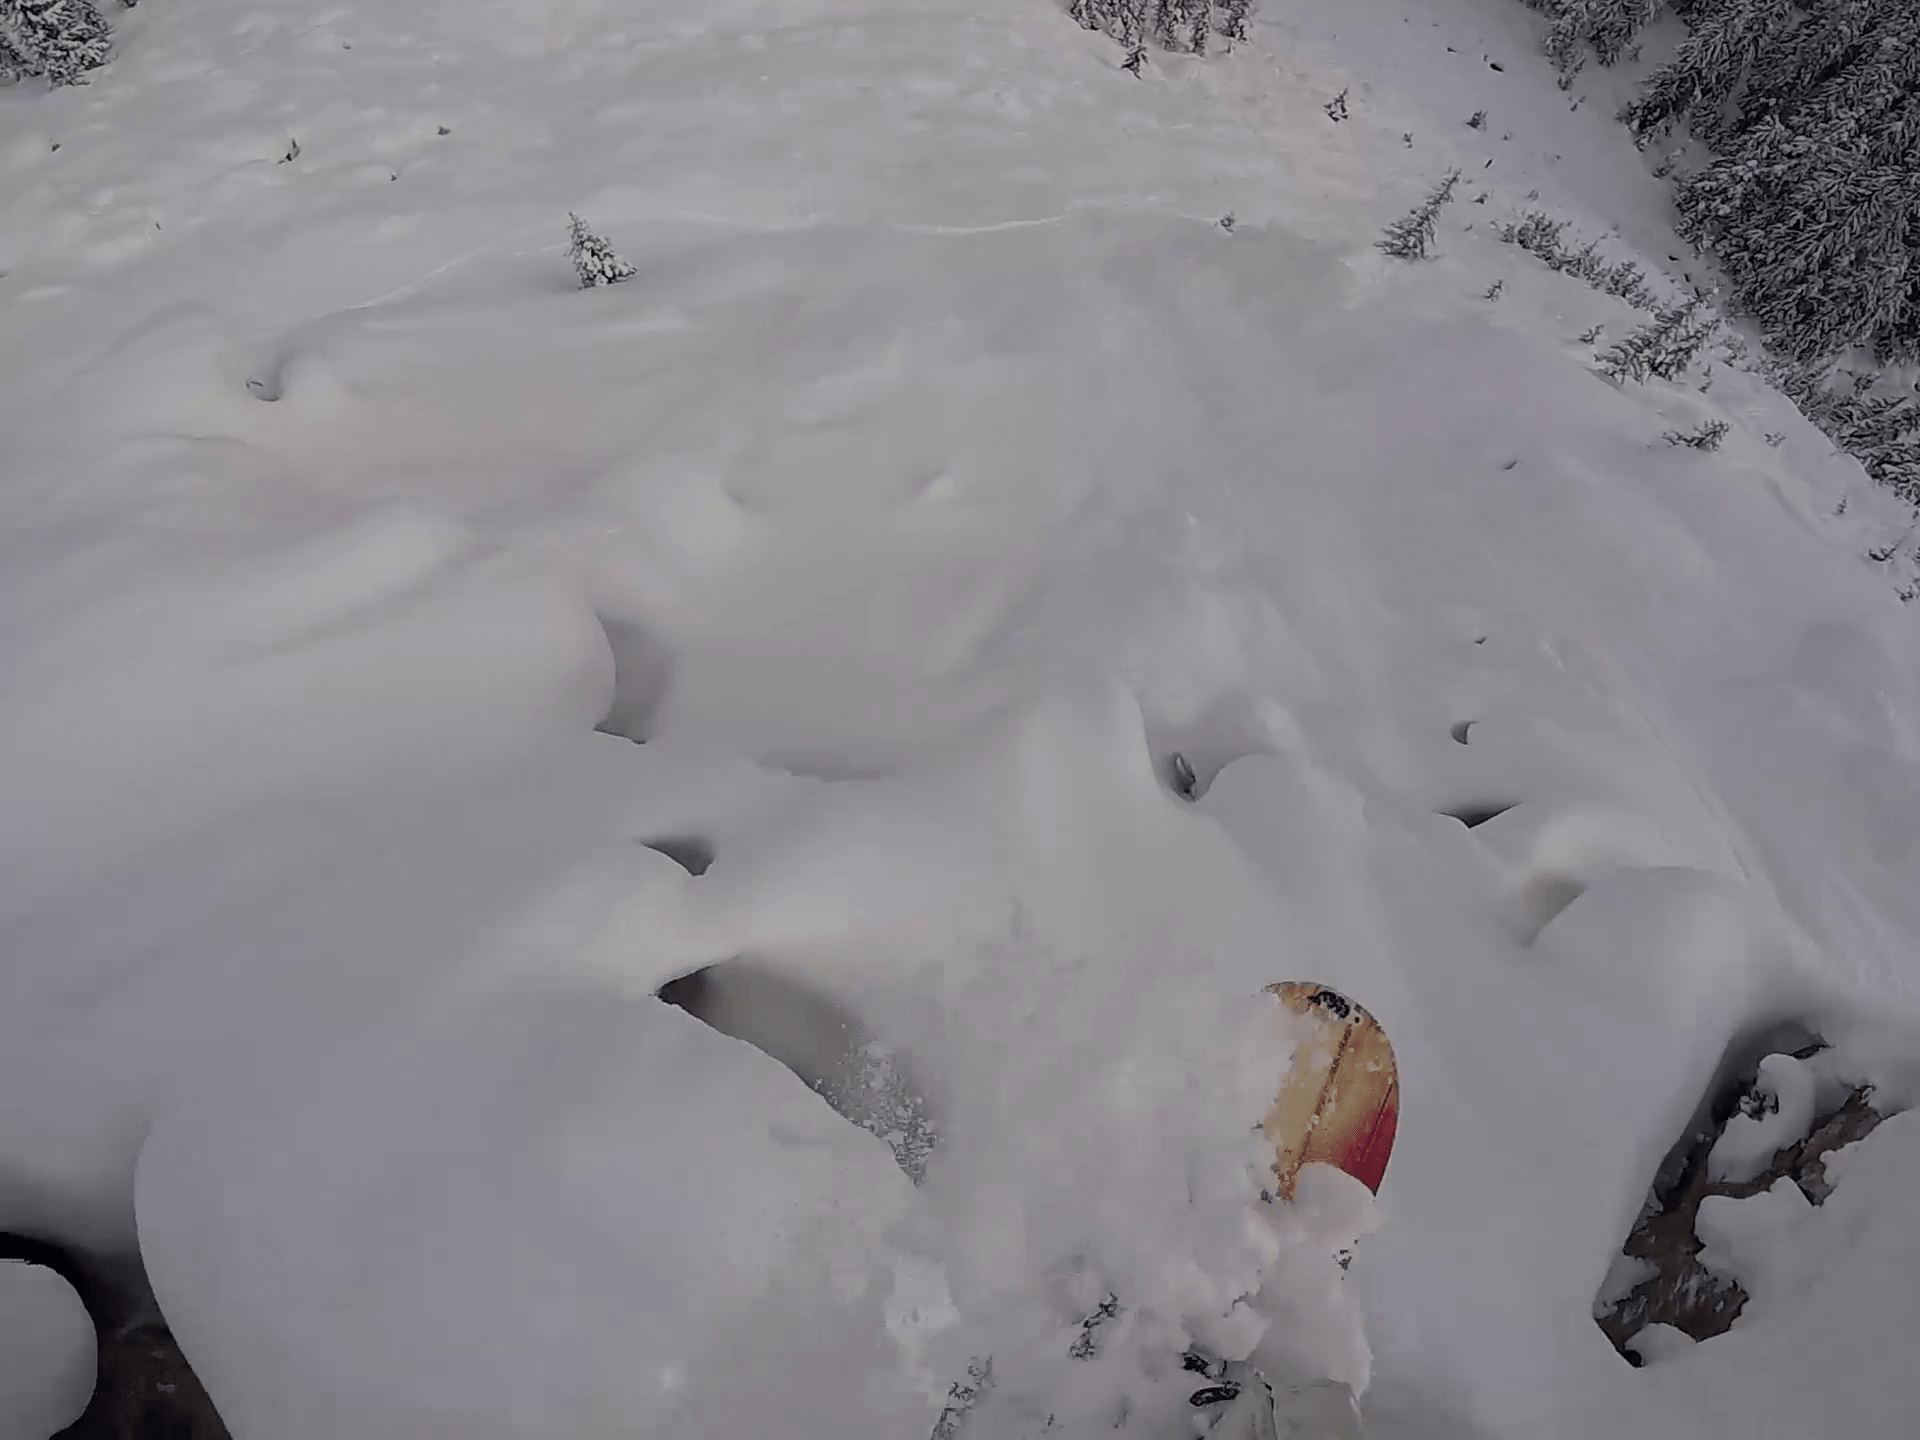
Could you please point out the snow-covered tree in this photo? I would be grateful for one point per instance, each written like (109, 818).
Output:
(1728, 37)
(1663, 348)
(1408, 237)
(1605, 27)
(1881, 431)
(1170, 24)
(1812, 200)
(59, 39)
(594, 260)
(1230, 18)
(1539, 235)
(1183, 24)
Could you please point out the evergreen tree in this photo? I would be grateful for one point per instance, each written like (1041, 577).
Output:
(1812, 202)
(593, 257)
(1727, 38)
(60, 39)
(1181, 25)
(1408, 237)
(1664, 348)
(1606, 27)
(1882, 432)
(1230, 18)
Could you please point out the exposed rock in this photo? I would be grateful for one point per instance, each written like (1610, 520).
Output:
(144, 1389)
(1683, 1293)
(146, 1392)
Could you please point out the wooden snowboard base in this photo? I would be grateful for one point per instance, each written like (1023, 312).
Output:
(1340, 1101)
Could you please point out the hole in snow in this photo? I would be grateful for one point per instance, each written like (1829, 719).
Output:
(1228, 729)
(1477, 813)
(691, 853)
(641, 668)
(1459, 732)
(1181, 778)
(820, 1041)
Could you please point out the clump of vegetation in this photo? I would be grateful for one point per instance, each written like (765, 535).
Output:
(1811, 198)
(1663, 348)
(594, 260)
(1706, 437)
(1539, 235)
(1184, 26)
(1607, 28)
(1881, 431)
(1408, 237)
(61, 40)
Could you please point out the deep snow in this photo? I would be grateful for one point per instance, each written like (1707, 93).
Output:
(46, 1350)
(945, 466)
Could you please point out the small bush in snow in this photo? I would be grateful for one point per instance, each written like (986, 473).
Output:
(1539, 235)
(1408, 237)
(1662, 349)
(1707, 437)
(1336, 108)
(593, 258)
(962, 1396)
(60, 39)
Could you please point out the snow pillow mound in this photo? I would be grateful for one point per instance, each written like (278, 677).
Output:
(553, 1211)
(47, 1351)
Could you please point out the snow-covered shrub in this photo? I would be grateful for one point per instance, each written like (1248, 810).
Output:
(1663, 348)
(60, 39)
(1408, 237)
(1707, 437)
(594, 260)
(1539, 235)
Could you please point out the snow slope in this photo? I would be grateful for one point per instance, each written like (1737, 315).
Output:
(945, 465)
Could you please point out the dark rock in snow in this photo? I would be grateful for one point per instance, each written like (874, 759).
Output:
(1683, 1292)
(146, 1392)
(144, 1389)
